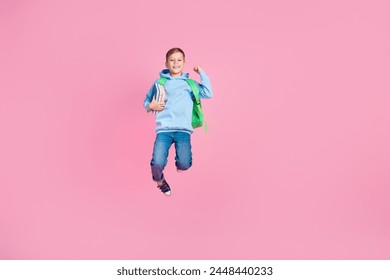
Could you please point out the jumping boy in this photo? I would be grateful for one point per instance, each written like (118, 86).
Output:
(174, 116)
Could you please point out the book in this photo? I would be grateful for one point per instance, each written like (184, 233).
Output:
(159, 94)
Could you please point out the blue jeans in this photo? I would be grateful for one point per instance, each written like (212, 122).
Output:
(163, 142)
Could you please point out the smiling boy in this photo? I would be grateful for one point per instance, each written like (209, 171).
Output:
(174, 118)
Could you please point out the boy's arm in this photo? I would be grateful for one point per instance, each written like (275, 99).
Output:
(148, 99)
(205, 90)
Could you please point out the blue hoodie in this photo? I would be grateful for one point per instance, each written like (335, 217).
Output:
(177, 114)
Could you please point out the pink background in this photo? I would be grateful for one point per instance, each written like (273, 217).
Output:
(295, 165)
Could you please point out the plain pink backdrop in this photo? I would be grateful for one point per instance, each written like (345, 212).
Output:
(295, 165)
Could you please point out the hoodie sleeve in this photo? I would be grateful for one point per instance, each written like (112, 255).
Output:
(148, 99)
(205, 90)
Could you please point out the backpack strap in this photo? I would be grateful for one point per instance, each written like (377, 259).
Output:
(162, 81)
(195, 91)
(196, 98)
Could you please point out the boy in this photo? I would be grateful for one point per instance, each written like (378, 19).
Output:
(174, 116)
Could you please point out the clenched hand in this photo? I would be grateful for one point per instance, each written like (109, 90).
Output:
(157, 106)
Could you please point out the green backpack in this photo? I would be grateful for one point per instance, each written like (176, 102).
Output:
(197, 113)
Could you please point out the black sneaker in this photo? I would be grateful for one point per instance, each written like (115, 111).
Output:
(165, 188)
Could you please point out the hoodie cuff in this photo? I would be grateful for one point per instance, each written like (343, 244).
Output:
(147, 107)
(203, 76)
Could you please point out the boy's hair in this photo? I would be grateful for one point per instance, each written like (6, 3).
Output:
(172, 51)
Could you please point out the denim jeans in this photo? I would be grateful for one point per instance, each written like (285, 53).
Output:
(163, 142)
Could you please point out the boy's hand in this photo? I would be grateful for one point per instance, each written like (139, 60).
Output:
(157, 106)
(197, 69)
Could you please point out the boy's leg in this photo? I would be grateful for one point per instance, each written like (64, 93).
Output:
(161, 147)
(183, 157)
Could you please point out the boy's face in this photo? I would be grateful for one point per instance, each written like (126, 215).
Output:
(175, 64)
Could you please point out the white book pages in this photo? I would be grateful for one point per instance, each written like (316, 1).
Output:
(159, 94)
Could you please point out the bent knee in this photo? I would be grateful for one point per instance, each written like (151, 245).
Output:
(183, 165)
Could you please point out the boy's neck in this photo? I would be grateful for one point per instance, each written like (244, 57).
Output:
(175, 75)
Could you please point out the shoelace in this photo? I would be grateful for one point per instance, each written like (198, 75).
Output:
(164, 187)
